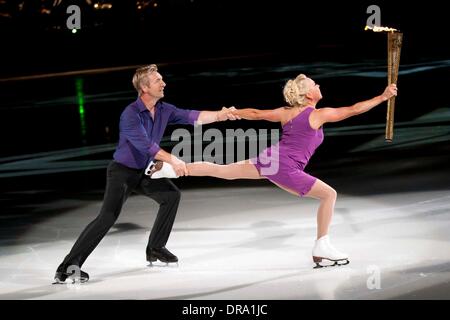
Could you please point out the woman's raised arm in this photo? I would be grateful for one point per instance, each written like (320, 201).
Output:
(324, 115)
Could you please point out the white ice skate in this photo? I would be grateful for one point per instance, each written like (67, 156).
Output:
(323, 250)
(159, 169)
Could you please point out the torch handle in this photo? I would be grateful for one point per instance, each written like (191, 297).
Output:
(390, 120)
(394, 50)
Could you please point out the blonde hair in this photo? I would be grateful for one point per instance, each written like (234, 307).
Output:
(140, 77)
(295, 91)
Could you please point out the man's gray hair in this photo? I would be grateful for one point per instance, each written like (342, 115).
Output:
(140, 77)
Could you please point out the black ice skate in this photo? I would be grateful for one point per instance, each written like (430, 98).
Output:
(72, 273)
(161, 254)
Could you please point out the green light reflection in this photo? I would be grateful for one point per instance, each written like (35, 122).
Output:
(80, 100)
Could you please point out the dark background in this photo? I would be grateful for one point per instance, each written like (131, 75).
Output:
(177, 30)
(211, 53)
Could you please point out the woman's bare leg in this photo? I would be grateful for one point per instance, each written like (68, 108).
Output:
(327, 196)
(286, 189)
(239, 170)
(246, 170)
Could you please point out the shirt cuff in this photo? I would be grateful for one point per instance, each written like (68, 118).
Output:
(193, 116)
(154, 149)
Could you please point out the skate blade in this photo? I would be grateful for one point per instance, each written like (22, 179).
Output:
(331, 263)
(155, 167)
(75, 280)
(78, 280)
(71, 281)
(59, 282)
(161, 264)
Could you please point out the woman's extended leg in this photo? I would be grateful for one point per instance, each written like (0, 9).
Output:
(238, 170)
(327, 196)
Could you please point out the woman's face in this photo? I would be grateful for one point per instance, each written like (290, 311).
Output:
(314, 93)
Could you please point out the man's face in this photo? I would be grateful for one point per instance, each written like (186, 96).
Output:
(155, 86)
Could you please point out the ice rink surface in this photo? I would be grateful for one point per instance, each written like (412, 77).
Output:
(243, 243)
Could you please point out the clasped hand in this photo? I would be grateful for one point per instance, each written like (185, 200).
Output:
(227, 114)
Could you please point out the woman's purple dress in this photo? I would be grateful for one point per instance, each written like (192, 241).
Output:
(284, 162)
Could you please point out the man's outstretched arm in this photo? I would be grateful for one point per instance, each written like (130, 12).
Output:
(206, 117)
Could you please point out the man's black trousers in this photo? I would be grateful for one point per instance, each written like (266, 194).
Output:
(121, 182)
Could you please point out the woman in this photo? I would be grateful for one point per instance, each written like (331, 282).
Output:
(302, 126)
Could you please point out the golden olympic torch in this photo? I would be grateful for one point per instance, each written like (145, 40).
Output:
(395, 39)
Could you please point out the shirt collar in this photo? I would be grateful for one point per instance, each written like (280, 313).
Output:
(141, 106)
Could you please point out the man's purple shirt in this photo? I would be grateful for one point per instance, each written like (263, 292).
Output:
(140, 135)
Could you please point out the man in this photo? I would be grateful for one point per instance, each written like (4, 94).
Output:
(142, 126)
